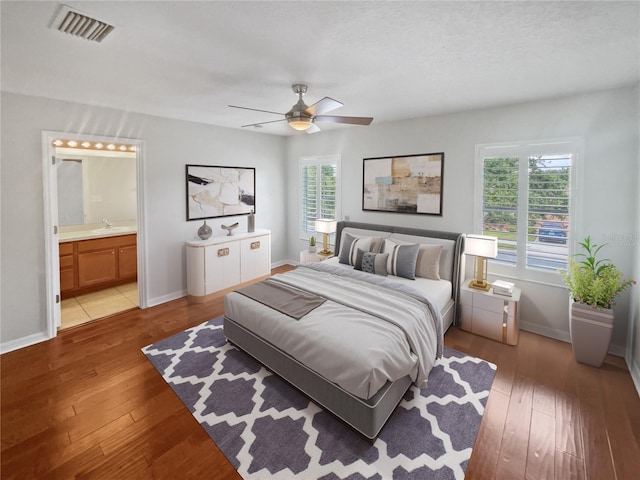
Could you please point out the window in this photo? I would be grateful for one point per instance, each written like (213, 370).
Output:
(524, 197)
(319, 191)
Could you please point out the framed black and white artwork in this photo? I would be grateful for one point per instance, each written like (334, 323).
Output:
(215, 191)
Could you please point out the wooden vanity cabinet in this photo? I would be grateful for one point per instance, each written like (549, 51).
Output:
(97, 263)
(67, 267)
(128, 261)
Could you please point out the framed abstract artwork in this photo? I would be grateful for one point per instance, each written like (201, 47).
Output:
(214, 191)
(403, 184)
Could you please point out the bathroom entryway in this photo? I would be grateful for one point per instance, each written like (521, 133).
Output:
(93, 208)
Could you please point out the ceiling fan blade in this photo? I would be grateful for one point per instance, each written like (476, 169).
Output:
(256, 110)
(262, 123)
(351, 120)
(313, 129)
(322, 106)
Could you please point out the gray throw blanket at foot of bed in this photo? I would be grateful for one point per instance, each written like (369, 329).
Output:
(291, 301)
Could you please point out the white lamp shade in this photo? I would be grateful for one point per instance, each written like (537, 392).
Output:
(326, 225)
(481, 246)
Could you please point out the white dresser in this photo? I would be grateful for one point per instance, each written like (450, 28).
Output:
(489, 314)
(224, 262)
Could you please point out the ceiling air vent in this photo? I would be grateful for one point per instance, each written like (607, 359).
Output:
(80, 25)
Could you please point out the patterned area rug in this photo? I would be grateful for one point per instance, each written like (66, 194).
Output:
(269, 430)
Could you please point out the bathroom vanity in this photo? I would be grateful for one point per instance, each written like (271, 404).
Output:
(96, 263)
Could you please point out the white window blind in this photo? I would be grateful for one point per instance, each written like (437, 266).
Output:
(548, 216)
(500, 204)
(319, 191)
(525, 199)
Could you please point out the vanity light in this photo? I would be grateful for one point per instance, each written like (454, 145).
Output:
(123, 147)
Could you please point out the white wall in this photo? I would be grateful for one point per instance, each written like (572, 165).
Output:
(169, 145)
(608, 122)
(633, 341)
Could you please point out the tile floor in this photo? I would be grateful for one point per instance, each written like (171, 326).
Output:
(91, 306)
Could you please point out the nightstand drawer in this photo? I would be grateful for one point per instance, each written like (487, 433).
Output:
(487, 324)
(490, 315)
(466, 297)
(486, 302)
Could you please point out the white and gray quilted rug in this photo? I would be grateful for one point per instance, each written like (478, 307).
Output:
(268, 430)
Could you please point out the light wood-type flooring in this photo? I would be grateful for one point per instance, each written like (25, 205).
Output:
(88, 405)
(92, 306)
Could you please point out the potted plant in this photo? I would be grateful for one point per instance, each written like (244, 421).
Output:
(593, 285)
(312, 244)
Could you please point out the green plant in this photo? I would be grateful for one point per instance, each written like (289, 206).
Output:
(591, 281)
(312, 241)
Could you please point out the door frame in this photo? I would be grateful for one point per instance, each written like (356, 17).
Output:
(51, 227)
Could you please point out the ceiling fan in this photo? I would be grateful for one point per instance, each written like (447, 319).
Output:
(301, 117)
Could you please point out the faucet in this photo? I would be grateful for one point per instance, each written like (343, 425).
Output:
(106, 223)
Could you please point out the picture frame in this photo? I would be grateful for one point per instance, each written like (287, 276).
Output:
(403, 184)
(218, 191)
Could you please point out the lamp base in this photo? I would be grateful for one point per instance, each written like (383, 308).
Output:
(480, 285)
(324, 252)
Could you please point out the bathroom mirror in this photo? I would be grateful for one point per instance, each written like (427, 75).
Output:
(95, 185)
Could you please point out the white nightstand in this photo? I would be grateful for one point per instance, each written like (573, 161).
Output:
(490, 315)
(306, 256)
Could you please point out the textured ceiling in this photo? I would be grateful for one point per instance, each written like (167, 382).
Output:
(390, 60)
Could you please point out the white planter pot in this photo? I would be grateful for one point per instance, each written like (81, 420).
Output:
(591, 330)
(313, 249)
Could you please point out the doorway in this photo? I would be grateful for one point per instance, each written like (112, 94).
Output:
(94, 239)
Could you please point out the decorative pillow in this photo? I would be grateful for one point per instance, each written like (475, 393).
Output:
(350, 244)
(402, 258)
(370, 262)
(428, 262)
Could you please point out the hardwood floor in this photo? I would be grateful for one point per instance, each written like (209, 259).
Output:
(88, 405)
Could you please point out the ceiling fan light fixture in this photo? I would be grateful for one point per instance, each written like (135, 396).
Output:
(300, 123)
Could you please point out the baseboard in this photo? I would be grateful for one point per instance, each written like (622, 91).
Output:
(617, 350)
(166, 298)
(23, 342)
(183, 293)
(546, 331)
(283, 262)
(293, 263)
(634, 370)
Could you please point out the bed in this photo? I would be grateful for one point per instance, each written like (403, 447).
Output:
(350, 337)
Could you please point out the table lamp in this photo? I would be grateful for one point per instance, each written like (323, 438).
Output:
(482, 247)
(325, 226)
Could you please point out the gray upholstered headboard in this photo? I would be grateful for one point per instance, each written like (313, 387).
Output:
(452, 268)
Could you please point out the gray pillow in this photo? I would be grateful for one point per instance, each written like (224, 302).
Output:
(402, 258)
(371, 262)
(350, 244)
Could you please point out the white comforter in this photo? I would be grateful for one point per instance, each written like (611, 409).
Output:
(363, 336)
